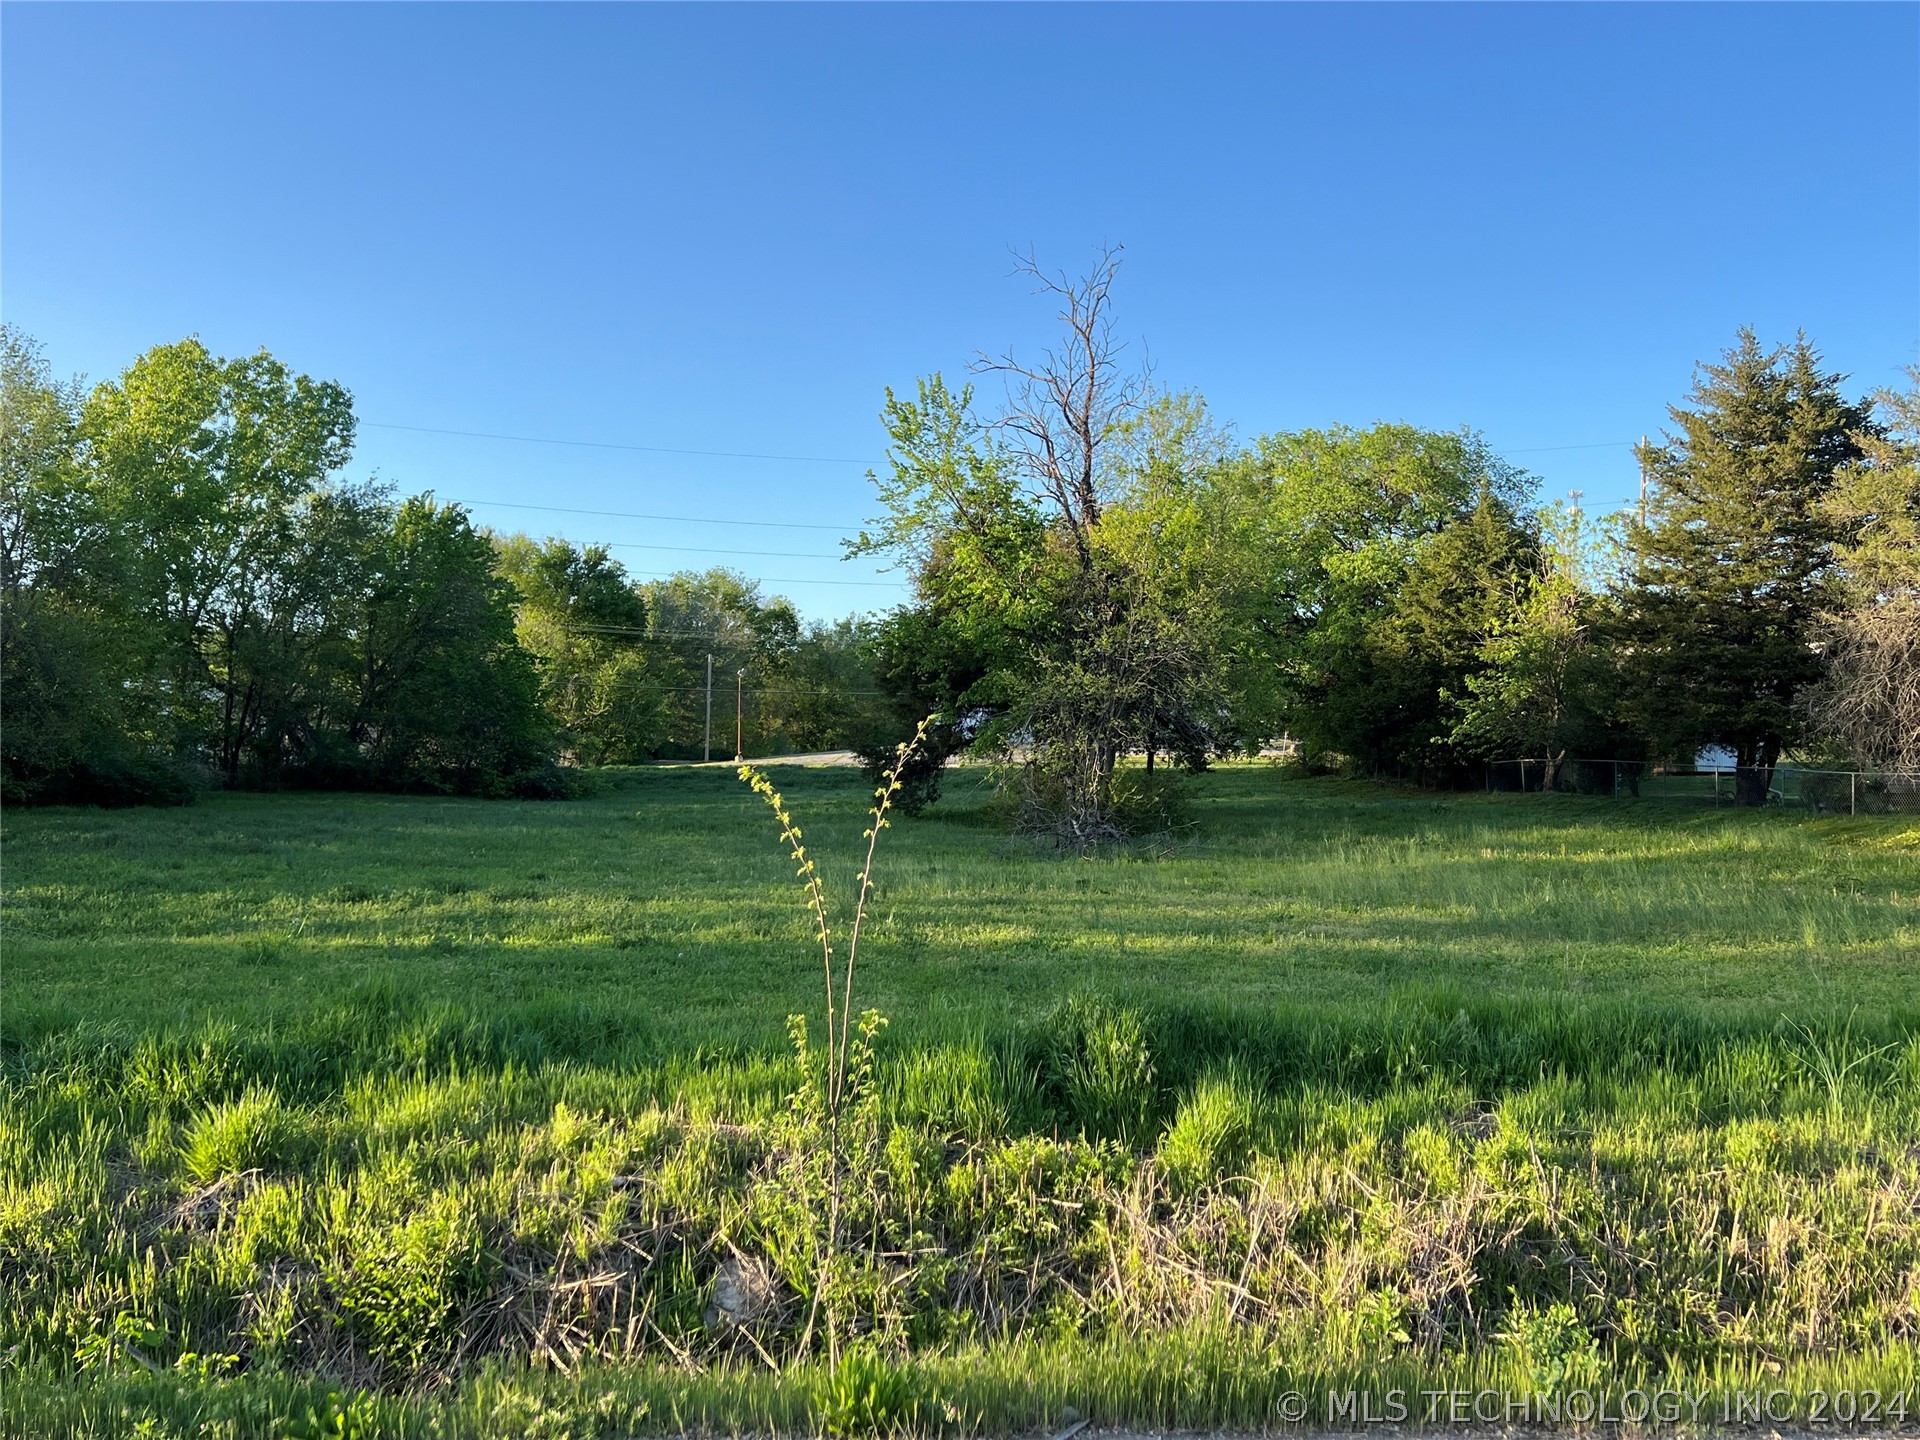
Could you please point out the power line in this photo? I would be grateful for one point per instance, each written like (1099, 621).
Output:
(774, 579)
(711, 637)
(677, 519)
(611, 445)
(760, 455)
(711, 550)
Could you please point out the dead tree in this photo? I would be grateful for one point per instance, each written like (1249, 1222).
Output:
(1065, 414)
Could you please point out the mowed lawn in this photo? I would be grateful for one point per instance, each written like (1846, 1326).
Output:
(663, 904)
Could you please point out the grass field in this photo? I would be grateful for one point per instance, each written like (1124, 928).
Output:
(367, 1115)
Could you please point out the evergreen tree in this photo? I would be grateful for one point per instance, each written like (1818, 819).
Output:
(1397, 710)
(1732, 566)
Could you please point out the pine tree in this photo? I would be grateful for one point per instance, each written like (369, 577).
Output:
(1732, 565)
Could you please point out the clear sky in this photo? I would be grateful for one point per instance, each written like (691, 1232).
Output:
(728, 228)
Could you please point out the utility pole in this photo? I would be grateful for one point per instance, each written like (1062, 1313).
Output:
(1641, 455)
(739, 696)
(706, 752)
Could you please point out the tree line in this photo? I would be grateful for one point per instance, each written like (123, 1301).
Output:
(1101, 569)
(192, 594)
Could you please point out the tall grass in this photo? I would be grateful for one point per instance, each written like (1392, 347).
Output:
(1206, 1153)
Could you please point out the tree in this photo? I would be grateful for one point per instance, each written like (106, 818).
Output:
(975, 545)
(1868, 703)
(828, 699)
(445, 698)
(1075, 633)
(1538, 689)
(1733, 567)
(210, 469)
(1461, 587)
(189, 586)
(586, 627)
(68, 645)
(1350, 621)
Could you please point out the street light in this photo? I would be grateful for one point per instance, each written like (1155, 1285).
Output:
(739, 696)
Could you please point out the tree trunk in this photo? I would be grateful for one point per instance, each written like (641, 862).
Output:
(1753, 772)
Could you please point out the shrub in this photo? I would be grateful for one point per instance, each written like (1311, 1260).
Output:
(1552, 1345)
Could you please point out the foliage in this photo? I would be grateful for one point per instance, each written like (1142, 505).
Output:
(845, 1080)
(1064, 555)
(1733, 566)
(190, 588)
(801, 687)
(66, 634)
(1545, 684)
(586, 626)
(1351, 615)
(446, 699)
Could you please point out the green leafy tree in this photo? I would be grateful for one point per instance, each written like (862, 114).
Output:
(974, 544)
(586, 626)
(210, 468)
(1543, 677)
(722, 613)
(829, 700)
(186, 581)
(1734, 566)
(1058, 551)
(1348, 623)
(68, 644)
(446, 698)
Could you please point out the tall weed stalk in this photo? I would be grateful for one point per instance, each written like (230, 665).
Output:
(848, 1068)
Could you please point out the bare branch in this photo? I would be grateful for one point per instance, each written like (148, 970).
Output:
(1062, 411)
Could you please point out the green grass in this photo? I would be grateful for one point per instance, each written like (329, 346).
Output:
(662, 906)
(314, 1108)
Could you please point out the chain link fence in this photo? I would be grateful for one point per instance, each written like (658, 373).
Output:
(1829, 792)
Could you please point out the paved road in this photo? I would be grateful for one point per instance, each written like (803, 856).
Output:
(818, 757)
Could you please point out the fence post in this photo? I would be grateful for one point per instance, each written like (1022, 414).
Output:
(1853, 792)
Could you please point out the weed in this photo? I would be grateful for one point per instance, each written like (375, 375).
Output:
(863, 1394)
(847, 1071)
(1211, 1133)
(252, 1132)
(1105, 1066)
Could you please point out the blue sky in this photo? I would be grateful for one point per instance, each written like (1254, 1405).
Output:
(728, 228)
